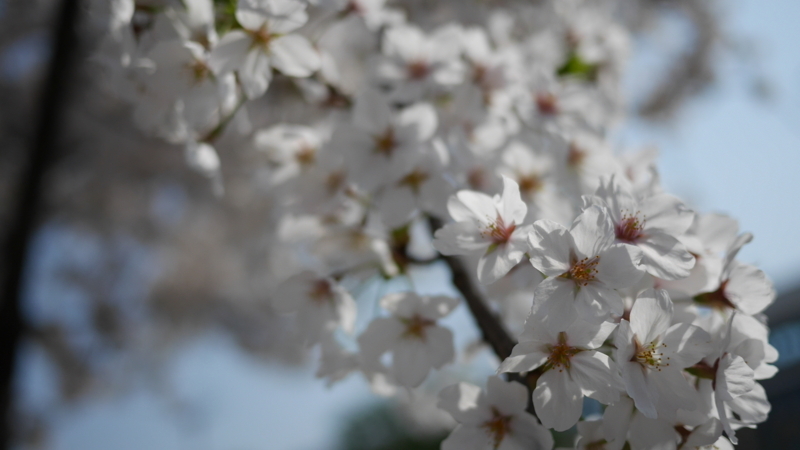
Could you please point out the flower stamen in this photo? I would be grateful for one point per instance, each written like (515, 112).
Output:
(498, 427)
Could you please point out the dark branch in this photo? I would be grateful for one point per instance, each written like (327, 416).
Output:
(21, 230)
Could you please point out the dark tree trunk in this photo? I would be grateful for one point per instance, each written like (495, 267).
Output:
(29, 194)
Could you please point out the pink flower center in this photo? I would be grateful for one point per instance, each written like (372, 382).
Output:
(575, 156)
(321, 291)
(583, 272)
(547, 104)
(530, 184)
(717, 299)
(561, 354)
(498, 427)
(418, 70)
(386, 142)
(499, 232)
(414, 180)
(416, 326)
(651, 355)
(629, 229)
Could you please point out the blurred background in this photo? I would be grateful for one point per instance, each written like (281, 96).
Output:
(143, 325)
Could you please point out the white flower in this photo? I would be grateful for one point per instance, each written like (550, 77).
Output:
(487, 225)
(320, 303)
(263, 43)
(411, 334)
(535, 174)
(417, 64)
(572, 368)
(492, 420)
(741, 286)
(423, 187)
(382, 145)
(652, 355)
(583, 266)
(652, 223)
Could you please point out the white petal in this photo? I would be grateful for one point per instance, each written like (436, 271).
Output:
(498, 262)
(558, 400)
(460, 238)
(472, 206)
(674, 391)
(525, 357)
(556, 297)
(381, 335)
(665, 257)
(652, 434)
(410, 363)
(616, 421)
(371, 112)
(550, 246)
(346, 310)
(294, 56)
(510, 398)
(705, 434)
(597, 376)
(734, 377)
(462, 401)
(752, 407)
(593, 231)
(421, 118)
(594, 303)
(512, 208)
(651, 315)
(617, 267)
(687, 343)
(643, 395)
(528, 434)
(435, 308)
(466, 438)
(749, 289)
(587, 335)
(666, 213)
(255, 73)
(229, 53)
(439, 342)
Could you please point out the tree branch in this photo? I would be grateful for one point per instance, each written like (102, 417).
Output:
(492, 329)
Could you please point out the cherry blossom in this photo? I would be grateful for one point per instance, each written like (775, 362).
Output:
(571, 368)
(491, 226)
(583, 266)
(411, 334)
(494, 419)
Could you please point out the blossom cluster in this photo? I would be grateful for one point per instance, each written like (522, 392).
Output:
(491, 118)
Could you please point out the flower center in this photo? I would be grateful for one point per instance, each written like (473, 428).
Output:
(629, 229)
(597, 445)
(418, 70)
(716, 299)
(386, 142)
(321, 292)
(498, 427)
(414, 180)
(416, 326)
(306, 155)
(560, 354)
(575, 156)
(583, 272)
(530, 184)
(651, 355)
(200, 70)
(262, 38)
(499, 232)
(335, 181)
(547, 104)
